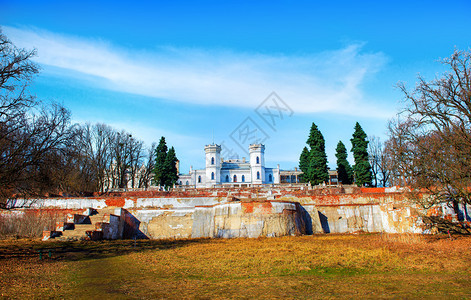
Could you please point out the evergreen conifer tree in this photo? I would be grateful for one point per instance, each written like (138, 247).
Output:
(362, 167)
(160, 157)
(304, 160)
(170, 168)
(318, 172)
(344, 170)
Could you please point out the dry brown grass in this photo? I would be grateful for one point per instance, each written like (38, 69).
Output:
(29, 223)
(406, 238)
(321, 266)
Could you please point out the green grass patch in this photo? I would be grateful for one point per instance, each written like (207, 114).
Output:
(328, 272)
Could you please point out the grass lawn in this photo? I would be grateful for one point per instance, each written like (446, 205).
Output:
(319, 266)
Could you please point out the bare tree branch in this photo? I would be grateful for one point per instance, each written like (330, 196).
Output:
(430, 143)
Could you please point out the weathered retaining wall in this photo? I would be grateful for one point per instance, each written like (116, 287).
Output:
(249, 219)
(228, 219)
(370, 211)
(261, 212)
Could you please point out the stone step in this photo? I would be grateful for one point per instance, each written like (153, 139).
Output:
(92, 235)
(80, 229)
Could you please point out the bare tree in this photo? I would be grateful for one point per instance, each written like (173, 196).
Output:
(127, 158)
(430, 143)
(41, 153)
(16, 72)
(136, 149)
(27, 147)
(31, 133)
(115, 158)
(378, 161)
(146, 174)
(95, 144)
(374, 156)
(384, 163)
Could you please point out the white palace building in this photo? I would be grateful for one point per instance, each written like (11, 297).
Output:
(232, 172)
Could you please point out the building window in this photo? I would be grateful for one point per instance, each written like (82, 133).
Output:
(243, 178)
(227, 178)
(258, 160)
(187, 182)
(270, 178)
(212, 160)
(258, 175)
(199, 179)
(212, 176)
(235, 178)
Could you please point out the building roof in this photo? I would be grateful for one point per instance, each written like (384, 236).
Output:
(229, 165)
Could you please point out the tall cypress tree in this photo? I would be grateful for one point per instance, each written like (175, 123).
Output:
(344, 170)
(318, 172)
(304, 160)
(160, 157)
(170, 168)
(362, 167)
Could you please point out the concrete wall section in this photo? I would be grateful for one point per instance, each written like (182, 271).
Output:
(203, 222)
(158, 223)
(343, 219)
(369, 218)
(313, 219)
(228, 220)
(166, 203)
(113, 232)
(248, 219)
(69, 203)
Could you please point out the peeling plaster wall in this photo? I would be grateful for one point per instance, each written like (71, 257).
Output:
(228, 220)
(173, 202)
(158, 223)
(289, 210)
(371, 210)
(248, 219)
(368, 218)
(127, 203)
(69, 203)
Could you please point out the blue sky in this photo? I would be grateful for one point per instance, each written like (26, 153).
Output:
(195, 72)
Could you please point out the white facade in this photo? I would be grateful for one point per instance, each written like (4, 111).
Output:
(232, 172)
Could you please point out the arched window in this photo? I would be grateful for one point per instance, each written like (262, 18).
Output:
(258, 175)
(235, 178)
(243, 178)
(227, 178)
(212, 176)
(187, 182)
(258, 160)
(199, 179)
(212, 160)
(270, 178)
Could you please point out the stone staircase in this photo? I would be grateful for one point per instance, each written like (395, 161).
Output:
(90, 225)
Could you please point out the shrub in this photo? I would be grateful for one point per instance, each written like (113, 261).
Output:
(29, 223)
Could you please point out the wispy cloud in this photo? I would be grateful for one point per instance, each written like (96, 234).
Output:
(320, 82)
(150, 134)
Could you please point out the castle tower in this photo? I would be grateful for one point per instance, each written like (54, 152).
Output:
(213, 164)
(257, 163)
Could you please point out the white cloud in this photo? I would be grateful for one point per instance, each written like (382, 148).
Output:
(321, 82)
(149, 134)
